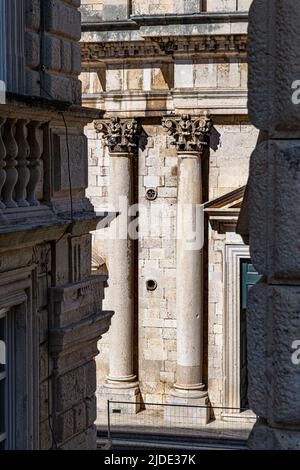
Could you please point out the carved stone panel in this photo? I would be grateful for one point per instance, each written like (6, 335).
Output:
(70, 155)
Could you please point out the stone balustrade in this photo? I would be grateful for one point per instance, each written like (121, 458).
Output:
(20, 162)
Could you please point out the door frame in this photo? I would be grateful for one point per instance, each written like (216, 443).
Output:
(233, 256)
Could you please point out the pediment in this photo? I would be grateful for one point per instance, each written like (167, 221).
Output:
(231, 200)
(223, 211)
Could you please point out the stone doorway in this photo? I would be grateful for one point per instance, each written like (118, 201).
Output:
(235, 256)
(248, 278)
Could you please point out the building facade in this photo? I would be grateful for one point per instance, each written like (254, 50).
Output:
(51, 314)
(171, 80)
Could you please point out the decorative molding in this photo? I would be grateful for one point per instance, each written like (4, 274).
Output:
(95, 51)
(223, 211)
(164, 46)
(202, 44)
(119, 136)
(191, 133)
(233, 255)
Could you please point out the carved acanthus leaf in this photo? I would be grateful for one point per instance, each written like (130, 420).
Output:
(119, 136)
(190, 133)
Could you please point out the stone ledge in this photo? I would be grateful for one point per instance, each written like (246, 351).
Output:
(83, 331)
(92, 22)
(65, 300)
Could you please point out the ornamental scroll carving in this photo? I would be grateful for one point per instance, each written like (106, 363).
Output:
(119, 136)
(190, 133)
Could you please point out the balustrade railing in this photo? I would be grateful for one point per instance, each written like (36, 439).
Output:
(20, 162)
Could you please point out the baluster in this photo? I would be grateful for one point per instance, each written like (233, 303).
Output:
(22, 166)
(34, 162)
(2, 162)
(11, 172)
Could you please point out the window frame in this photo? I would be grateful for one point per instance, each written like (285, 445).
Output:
(22, 348)
(7, 375)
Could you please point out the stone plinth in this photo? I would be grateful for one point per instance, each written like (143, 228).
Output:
(189, 408)
(124, 400)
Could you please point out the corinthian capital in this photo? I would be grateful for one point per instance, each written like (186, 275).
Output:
(191, 133)
(119, 136)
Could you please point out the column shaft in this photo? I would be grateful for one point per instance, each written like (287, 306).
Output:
(121, 137)
(120, 274)
(189, 288)
(191, 135)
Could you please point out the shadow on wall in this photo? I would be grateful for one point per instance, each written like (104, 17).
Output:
(215, 139)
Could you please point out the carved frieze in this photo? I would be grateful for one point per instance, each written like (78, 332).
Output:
(161, 46)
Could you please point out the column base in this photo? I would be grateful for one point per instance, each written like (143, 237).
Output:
(126, 398)
(192, 408)
(263, 437)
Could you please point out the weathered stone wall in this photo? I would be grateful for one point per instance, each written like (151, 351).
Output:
(234, 138)
(52, 302)
(157, 316)
(227, 5)
(270, 221)
(53, 57)
(110, 10)
(92, 8)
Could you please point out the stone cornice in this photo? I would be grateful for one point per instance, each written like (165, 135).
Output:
(94, 22)
(190, 133)
(164, 46)
(192, 18)
(120, 136)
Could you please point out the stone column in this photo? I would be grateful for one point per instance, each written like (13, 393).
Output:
(191, 138)
(270, 220)
(121, 384)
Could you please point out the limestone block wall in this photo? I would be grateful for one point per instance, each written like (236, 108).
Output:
(121, 9)
(227, 5)
(226, 73)
(157, 261)
(99, 174)
(127, 86)
(231, 145)
(92, 6)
